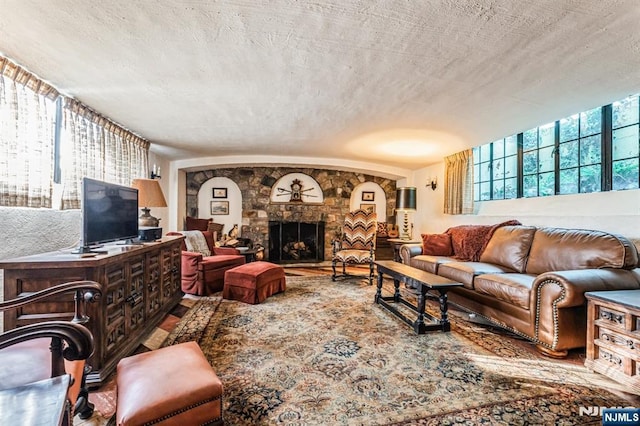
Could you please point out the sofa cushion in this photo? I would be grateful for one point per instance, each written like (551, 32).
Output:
(464, 272)
(429, 263)
(437, 244)
(514, 289)
(557, 249)
(509, 246)
(221, 261)
(382, 229)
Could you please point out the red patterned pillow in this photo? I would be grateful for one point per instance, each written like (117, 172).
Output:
(382, 229)
(437, 244)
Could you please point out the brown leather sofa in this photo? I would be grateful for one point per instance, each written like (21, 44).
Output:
(204, 275)
(532, 280)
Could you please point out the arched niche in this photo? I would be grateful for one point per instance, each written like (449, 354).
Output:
(297, 188)
(233, 198)
(370, 195)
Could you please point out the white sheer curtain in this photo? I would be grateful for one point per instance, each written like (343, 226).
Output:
(96, 147)
(458, 190)
(27, 130)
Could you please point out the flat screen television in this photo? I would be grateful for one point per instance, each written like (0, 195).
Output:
(109, 213)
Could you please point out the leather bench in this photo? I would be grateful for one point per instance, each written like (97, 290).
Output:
(174, 385)
(253, 282)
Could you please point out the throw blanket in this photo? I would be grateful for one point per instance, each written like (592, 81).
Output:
(469, 241)
(195, 241)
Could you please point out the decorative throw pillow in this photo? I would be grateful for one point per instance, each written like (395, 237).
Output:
(437, 244)
(382, 229)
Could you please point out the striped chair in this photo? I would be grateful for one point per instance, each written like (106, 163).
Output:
(358, 243)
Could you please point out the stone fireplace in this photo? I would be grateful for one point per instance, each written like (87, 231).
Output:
(258, 211)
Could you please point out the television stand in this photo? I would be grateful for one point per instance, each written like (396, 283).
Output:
(140, 286)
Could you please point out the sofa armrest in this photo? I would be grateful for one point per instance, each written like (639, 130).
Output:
(567, 288)
(190, 264)
(224, 250)
(407, 251)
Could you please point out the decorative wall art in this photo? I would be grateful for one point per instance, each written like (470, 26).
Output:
(368, 196)
(368, 207)
(219, 192)
(219, 207)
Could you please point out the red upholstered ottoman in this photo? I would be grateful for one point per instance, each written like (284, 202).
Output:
(253, 282)
(169, 386)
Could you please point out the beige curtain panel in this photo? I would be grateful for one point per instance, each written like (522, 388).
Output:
(458, 190)
(27, 130)
(98, 148)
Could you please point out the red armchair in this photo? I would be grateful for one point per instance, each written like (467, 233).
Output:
(204, 275)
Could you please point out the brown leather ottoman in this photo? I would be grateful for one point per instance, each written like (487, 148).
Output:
(253, 282)
(169, 386)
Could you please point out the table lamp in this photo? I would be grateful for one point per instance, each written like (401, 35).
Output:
(405, 203)
(149, 195)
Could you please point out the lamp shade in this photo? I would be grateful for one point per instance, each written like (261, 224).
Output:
(149, 193)
(406, 199)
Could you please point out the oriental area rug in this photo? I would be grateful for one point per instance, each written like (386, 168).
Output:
(322, 353)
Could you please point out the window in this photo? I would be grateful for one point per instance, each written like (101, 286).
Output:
(576, 154)
(495, 168)
(30, 120)
(538, 161)
(580, 152)
(625, 144)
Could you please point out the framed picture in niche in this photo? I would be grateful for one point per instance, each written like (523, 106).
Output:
(219, 192)
(219, 207)
(368, 196)
(368, 207)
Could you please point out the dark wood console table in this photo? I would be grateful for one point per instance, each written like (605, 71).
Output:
(423, 282)
(140, 285)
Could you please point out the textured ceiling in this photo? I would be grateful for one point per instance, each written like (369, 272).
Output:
(398, 82)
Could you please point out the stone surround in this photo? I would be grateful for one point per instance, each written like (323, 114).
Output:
(255, 184)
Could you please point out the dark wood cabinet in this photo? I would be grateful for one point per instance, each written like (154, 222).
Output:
(140, 285)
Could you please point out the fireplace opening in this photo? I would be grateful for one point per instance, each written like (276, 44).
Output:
(291, 242)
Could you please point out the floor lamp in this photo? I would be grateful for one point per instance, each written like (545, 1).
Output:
(405, 203)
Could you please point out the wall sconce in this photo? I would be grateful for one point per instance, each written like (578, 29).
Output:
(155, 173)
(434, 183)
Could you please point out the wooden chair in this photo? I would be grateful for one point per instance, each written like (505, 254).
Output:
(358, 242)
(49, 349)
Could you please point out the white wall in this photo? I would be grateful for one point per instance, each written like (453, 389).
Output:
(611, 211)
(234, 197)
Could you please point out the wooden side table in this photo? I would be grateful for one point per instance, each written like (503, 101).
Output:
(396, 243)
(613, 335)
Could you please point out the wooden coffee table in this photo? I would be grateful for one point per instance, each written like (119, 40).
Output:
(421, 281)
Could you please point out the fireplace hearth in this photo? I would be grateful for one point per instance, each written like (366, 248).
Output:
(292, 242)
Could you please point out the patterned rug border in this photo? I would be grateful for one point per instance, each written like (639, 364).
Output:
(194, 322)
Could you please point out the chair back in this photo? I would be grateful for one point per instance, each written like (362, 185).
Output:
(359, 230)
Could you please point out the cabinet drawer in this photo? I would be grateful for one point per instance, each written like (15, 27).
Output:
(606, 316)
(613, 339)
